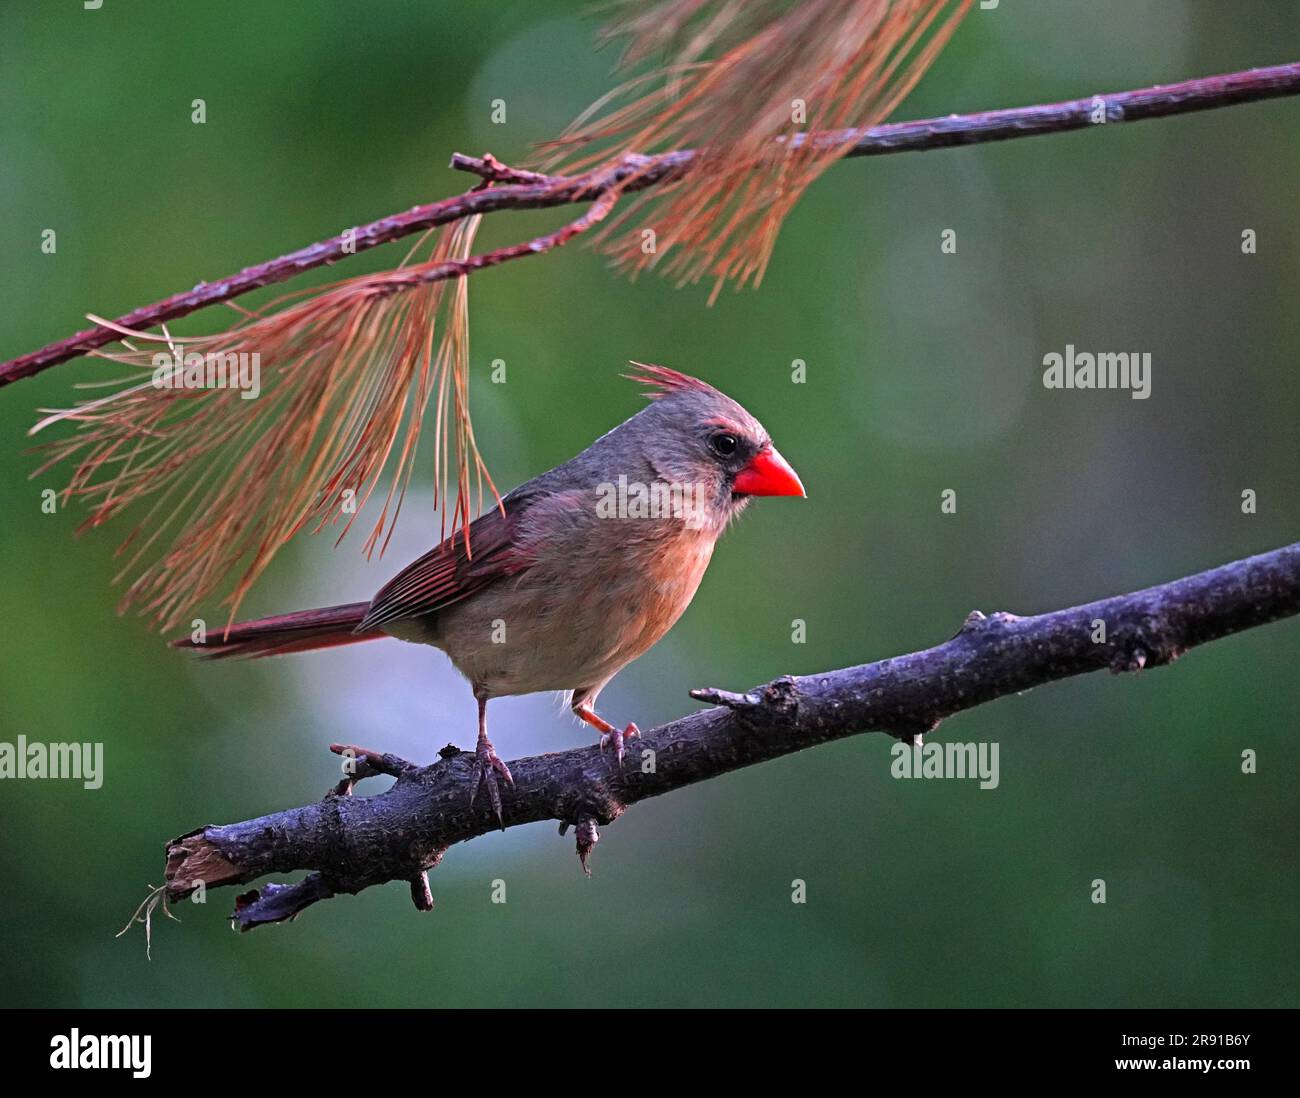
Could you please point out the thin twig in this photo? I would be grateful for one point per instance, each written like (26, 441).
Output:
(352, 843)
(521, 190)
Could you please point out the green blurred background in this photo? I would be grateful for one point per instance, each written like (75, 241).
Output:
(923, 374)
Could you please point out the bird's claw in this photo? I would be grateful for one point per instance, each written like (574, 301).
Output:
(616, 737)
(489, 766)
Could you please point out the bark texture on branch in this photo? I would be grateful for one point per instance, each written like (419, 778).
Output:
(350, 843)
(518, 190)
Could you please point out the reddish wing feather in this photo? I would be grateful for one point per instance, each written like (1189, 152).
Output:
(448, 572)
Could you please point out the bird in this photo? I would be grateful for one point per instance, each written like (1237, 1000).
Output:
(572, 575)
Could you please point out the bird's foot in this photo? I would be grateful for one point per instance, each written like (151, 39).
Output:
(489, 766)
(616, 737)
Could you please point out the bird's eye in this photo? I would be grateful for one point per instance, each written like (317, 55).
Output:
(724, 444)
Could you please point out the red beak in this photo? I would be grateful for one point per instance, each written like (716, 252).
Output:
(768, 474)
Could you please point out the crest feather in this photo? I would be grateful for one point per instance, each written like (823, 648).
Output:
(662, 380)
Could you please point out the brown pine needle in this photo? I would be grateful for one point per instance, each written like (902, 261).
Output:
(743, 80)
(346, 374)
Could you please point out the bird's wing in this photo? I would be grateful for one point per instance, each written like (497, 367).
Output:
(453, 570)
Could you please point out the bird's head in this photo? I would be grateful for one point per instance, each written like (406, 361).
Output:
(692, 434)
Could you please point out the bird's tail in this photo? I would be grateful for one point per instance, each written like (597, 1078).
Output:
(278, 636)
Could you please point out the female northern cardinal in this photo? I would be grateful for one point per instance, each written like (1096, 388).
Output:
(577, 573)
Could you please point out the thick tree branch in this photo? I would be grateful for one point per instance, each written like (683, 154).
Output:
(350, 843)
(519, 190)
